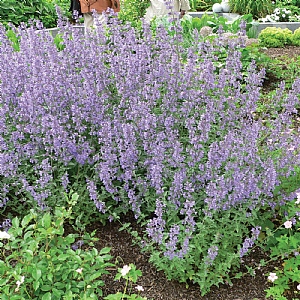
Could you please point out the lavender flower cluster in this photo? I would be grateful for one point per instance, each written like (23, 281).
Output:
(158, 127)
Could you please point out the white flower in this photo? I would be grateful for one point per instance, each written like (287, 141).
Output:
(79, 270)
(4, 235)
(272, 277)
(19, 282)
(141, 289)
(288, 224)
(298, 287)
(125, 270)
(298, 198)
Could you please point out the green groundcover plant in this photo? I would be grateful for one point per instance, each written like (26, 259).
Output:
(133, 122)
(38, 261)
(281, 238)
(276, 37)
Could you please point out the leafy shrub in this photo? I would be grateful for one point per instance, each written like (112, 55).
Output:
(296, 37)
(39, 262)
(283, 242)
(148, 126)
(275, 37)
(133, 10)
(26, 10)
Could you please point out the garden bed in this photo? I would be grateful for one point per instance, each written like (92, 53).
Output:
(258, 26)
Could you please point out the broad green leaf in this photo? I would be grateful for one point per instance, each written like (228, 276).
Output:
(47, 296)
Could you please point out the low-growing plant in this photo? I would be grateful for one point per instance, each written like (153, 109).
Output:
(296, 37)
(283, 243)
(37, 260)
(131, 275)
(275, 37)
(283, 69)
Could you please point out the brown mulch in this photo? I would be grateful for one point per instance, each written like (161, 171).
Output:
(288, 51)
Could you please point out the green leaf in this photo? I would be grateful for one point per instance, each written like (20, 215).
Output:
(27, 235)
(15, 222)
(36, 285)
(105, 250)
(47, 296)
(46, 221)
(63, 257)
(36, 274)
(26, 220)
(57, 293)
(46, 288)
(96, 275)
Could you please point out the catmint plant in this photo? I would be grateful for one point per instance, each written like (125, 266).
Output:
(139, 123)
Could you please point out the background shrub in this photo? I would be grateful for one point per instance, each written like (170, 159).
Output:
(133, 10)
(296, 37)
(258, 8)
(26, 10)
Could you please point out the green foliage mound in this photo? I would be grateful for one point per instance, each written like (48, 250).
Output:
(133, 10)
(273, 37)
(296, 37)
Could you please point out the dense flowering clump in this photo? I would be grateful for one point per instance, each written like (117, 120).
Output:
(143, 124)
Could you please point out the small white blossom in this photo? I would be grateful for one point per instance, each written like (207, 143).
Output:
(298, 198)
(19, 282)
(4, 235)
(272, 277)
(298, 287)
(79, 270)
(125, 270)
(288, 224)
(139, 288)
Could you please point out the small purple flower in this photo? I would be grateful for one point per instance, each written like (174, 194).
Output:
(211, 254)
(78, 244)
